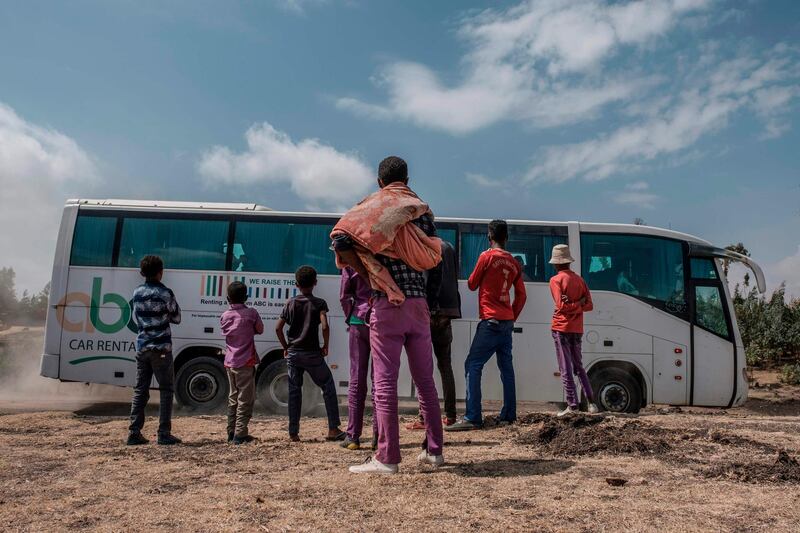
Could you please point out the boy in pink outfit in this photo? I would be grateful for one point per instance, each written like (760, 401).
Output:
(240, 324)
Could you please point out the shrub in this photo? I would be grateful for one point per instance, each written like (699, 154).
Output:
(790, 374)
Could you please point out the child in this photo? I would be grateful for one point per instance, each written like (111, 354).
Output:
(571, 298)
(494, 275)
(240, 324)
(154, 309)
(354, 295)
(305, 314)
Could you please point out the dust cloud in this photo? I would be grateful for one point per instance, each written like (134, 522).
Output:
(22, 386)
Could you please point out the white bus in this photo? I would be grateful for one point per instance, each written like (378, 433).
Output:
(662, 330)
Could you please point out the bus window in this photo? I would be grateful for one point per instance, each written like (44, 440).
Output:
(708, 310)
(649, 268)
(282, 247)
(703, 268)
(447, 234)
(529, 245)
(186, 244)
(93, 243)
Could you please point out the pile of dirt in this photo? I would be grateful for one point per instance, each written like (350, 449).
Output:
(583, 435)
(784, 469)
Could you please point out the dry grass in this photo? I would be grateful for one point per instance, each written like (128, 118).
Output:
(690, 470)
(682, 471)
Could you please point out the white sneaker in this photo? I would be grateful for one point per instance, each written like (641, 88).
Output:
(567, 411)
(593, 410)
(373, 466)
(428, 459)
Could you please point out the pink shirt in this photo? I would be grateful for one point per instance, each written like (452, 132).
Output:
(240, 325)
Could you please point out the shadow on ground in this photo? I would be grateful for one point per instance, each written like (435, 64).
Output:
(511, 467)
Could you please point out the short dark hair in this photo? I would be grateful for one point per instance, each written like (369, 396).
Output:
(151, 266)
(306, 277)
(498, 231)
(392, 169)
(237, 292)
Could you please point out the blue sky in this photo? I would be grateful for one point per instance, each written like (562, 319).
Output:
(681, 112)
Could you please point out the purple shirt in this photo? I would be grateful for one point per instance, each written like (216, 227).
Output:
(354, 294)
(240, 325)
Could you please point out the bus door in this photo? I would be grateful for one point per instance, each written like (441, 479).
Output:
(714, 354)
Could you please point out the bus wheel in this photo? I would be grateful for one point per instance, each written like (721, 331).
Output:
(616, 390)
(272, 390)
(201, 384)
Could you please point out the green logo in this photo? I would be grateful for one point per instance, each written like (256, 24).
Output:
(99, 299)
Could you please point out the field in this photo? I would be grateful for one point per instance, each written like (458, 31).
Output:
(665, 469)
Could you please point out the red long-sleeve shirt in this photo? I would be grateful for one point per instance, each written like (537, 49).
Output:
(495, 273)
(568, 316)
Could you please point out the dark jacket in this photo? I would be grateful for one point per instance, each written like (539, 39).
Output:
(443, 297)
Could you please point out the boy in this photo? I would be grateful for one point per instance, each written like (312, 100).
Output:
(354, 295)
(495, 273)
(305, 314)
(154, 309)
(571, 298)
(240, 324)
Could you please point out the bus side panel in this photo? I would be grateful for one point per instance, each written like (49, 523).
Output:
(646, 330)
(58, 284)
(713, 369)
(98, 343)
(535, 363)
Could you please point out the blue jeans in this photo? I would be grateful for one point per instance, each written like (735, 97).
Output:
(490, 338)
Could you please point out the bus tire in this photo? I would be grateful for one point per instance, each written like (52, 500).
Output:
(616, 390)
(272, 390)
(201, 384)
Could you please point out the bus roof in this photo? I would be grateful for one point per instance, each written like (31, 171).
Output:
(240, 207)
(169, 205)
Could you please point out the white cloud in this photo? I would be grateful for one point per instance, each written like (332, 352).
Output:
(764, 84)
(636, 194)
(538, 62)
(298, 6)
(316, 172)
(481, 181)
(39, 168)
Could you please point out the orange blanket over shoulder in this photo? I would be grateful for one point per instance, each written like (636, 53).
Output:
(381, 224)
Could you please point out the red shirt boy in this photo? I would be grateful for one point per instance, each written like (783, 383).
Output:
(495, 273)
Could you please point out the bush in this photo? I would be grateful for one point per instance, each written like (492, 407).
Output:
(790, 374)
(770, 327)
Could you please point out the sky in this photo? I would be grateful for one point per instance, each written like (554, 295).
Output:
(685, 113)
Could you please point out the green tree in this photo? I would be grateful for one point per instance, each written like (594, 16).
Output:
(770, 328)
(8, 296)
(739, 248)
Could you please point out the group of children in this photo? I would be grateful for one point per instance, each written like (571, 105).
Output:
(155, 308)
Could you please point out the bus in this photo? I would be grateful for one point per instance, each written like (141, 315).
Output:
(663, 329)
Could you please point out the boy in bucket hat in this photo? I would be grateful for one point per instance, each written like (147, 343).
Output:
(572, 298)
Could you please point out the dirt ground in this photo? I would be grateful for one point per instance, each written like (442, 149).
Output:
(666, 469)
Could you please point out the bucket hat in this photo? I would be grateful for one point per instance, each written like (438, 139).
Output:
(561, 255)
